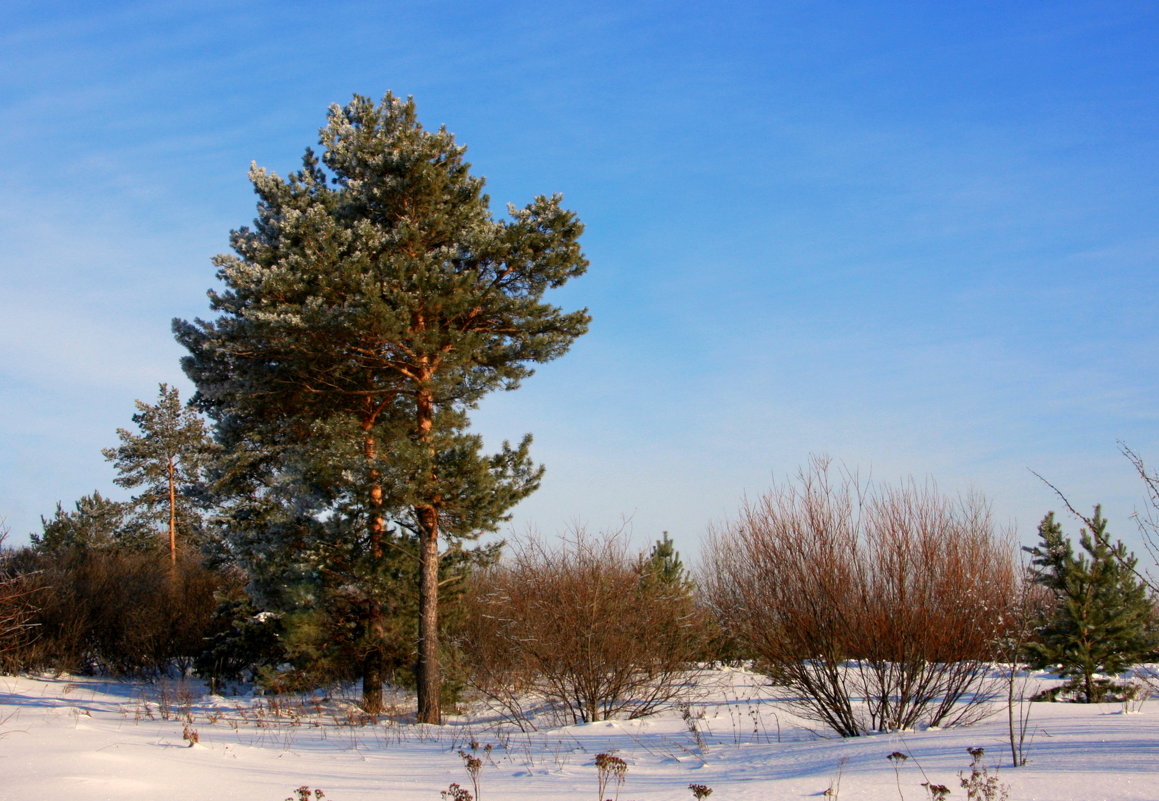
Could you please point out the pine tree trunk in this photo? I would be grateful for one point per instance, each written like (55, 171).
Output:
(428, 670)
(374, 661)
(428, 674)
(172, 514)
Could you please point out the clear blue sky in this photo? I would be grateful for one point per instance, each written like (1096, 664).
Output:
(919, 237)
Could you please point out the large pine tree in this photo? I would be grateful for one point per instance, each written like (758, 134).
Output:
(372, 305)
(1103, 618)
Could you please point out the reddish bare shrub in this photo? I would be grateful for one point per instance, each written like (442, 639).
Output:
(881, 608)
(16, 605)
(582, 626)
(116, 612)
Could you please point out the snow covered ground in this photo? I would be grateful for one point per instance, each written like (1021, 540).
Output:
(65, 738)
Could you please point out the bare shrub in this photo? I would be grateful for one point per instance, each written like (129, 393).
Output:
(16, 611)
(116, 612)
(580, 625)
(880, 607)
(1147, 519)
(16, 605)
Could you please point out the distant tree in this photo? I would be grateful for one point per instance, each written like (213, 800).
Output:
(1102, 619)
(662, 565)
(96, 524)
(166, 458)
(374, 303)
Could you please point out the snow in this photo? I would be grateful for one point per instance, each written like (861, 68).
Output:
(69, 737)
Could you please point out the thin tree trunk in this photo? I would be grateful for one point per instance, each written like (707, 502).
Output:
(1015, 741)
(172, 514)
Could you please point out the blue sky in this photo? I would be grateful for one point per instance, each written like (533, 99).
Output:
(918, 238)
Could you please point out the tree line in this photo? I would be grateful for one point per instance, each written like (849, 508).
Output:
(312, 513)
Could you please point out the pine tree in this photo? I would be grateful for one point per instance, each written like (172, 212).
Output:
(168, 459)
(662, 566)
(373, 304)
(1103, 618)
(96, 523)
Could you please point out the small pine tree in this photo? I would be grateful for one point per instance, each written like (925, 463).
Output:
(1103, 619)
(167, 458)
(662, 567)
(96, 524)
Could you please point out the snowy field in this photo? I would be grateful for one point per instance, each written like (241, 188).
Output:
(67, 738)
